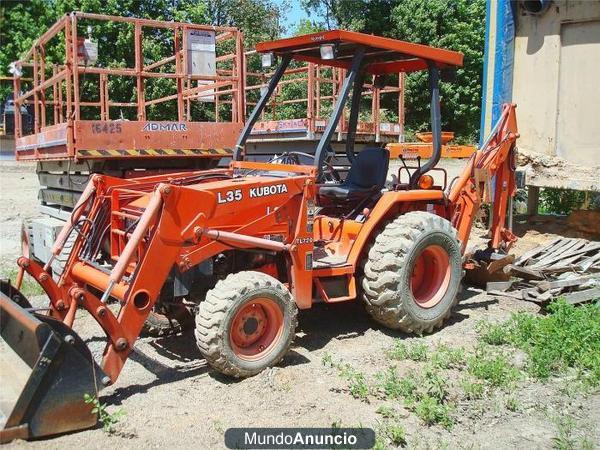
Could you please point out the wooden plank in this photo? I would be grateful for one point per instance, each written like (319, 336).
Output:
(534, 252)
(498, 264)
(582, 296)
(525, 272)
(546, 285)
(531, 295)
(514, 295)
(574, 255)
(589, 262)
(498, 285)
(557, 253)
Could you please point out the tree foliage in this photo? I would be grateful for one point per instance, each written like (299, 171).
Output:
(453, 24)
(24, 21)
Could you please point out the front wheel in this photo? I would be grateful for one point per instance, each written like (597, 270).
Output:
(246, 323)
(413, 272)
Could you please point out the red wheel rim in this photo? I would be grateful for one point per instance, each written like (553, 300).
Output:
(256, 328)
(430, 276)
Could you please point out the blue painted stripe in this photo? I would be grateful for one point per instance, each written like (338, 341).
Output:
(484, 84)
(498, 61)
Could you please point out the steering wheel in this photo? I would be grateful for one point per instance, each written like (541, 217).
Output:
(328, 172)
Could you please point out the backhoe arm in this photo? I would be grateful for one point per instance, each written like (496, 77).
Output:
(488, 177)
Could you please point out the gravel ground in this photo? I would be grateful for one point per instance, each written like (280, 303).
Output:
(172, 399)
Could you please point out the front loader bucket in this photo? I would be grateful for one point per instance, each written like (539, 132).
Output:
(45, 370)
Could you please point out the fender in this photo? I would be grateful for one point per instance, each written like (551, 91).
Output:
(390, 201)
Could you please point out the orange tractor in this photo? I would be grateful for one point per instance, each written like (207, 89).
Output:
(242, 249)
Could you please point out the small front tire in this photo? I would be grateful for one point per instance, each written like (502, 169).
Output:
(246, 323)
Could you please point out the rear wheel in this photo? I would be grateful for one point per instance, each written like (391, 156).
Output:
(168, 321)
(413, 273)
(246, 323)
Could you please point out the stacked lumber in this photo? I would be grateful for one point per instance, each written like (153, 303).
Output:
(568, 268)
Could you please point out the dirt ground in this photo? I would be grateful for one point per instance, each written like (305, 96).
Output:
(172, 399)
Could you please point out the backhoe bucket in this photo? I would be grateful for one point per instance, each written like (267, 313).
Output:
(45, 370)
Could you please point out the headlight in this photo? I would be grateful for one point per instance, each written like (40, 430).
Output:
(328, 51)
(267, 60)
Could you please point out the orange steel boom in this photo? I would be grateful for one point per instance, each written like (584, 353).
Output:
(489, 175)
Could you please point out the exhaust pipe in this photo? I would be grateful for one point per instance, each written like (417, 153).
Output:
(45, 371)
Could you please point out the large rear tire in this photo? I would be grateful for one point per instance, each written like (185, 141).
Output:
(413, 272)
(246, 323)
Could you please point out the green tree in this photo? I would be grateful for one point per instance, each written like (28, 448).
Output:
(453, 24)
(456, 25)
(367, 16)
(24, 21)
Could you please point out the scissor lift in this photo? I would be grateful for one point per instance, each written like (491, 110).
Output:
(89, 117)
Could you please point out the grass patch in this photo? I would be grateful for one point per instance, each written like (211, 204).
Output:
(494, 368)
(569, 336)
(512, 404)
(472, 389)
(107, 419)
(29, 287)
(387, 412)
(445, 357)
(413, 352)
(357, 383)
(425, 393)
(395, 433)
(442, 357)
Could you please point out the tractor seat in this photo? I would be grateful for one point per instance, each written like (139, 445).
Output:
(367, 176)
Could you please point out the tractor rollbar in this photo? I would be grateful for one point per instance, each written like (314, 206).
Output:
(436, 125)
(353, 119)
(262, 102)
(339, 107)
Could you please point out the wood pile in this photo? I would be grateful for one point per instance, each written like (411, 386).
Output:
(568, 268)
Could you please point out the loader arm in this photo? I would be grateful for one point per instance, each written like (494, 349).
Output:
(488, 178)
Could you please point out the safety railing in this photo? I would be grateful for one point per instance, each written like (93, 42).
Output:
(305, 96)
(165, 72)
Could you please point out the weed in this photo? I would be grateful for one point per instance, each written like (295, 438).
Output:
(586, 444)
(107, 419)
(396, 434)
(567, 337)
(473, 390)
(29, 287)
(413, 352)
(327, 360)
(445, 357)
(493, 368)
(386, 412)
(564, 440)
(431, 411)
(512, 404)
(434, 384)
(357, 383)
(218, 426)
(336, 425)
(493, 333)
(380, 443)
(394, 386)
(426, 393)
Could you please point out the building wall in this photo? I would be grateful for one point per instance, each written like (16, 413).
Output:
(556, 80)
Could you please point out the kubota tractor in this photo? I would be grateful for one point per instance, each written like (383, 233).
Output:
(244, 248)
